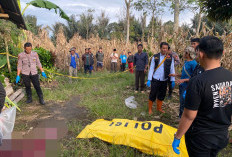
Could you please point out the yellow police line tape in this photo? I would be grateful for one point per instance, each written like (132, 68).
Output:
(81, 78)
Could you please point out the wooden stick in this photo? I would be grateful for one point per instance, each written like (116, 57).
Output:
(4, 15)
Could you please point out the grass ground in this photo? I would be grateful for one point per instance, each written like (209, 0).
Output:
(104, 98)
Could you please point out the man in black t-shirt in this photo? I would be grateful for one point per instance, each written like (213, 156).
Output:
(208, 108)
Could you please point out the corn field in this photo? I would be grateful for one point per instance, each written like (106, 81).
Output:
(61, 50)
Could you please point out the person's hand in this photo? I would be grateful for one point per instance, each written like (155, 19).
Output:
(172, 75)
(145, 70)
(17, 79)
(180, 81)
(173, 84)
(184, 94)
(175, 145)
(148, 83)
(44, 75)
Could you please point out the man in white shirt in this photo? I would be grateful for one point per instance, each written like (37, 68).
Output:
(162, 65)
(114, 60)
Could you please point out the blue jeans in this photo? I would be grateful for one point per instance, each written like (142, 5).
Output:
(182, 88)
(87, 68)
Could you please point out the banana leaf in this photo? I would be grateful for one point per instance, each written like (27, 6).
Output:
(48, 5)
(9, 102)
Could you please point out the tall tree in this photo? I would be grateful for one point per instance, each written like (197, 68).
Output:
(128, 6)
(102, 23)
(71, 28)
(151, 7)
(143, 23)
(218, 10)
(86, 23)
(180, 5)
(55, 29)
(176, 15)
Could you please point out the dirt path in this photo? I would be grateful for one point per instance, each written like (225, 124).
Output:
(36, 120)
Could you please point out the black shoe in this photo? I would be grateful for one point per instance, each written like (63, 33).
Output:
(29, 100)
(41, 101)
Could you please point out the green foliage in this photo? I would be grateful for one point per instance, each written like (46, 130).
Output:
(135, 29)
(31, 23)
(2, 80)
(45, 57)
(47, 62)
(49, 5)
(218, 10)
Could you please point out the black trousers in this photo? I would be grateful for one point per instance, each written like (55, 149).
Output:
(170, 90)
(205, 145)
(123, 66)
(139, 78)
(2, 96)
(27, 79)
(158, 90)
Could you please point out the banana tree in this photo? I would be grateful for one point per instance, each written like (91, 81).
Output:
(36, 3)
(46, 5)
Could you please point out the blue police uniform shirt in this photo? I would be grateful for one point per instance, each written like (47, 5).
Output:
(123, 58)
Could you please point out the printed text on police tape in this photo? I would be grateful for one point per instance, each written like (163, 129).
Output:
(145, 126)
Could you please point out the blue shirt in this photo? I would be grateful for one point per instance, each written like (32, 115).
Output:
(140, 61)
(73, 60)
(123, 58)
(189, 67)
(159, 73)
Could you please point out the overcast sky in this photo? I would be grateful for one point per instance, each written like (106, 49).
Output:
(113, 9)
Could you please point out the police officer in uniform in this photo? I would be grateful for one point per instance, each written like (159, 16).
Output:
(28, 61)
(162, 65)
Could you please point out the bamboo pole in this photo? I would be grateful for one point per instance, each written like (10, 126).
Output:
(7, 56)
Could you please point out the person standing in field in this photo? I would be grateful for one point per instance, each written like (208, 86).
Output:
(208, 104)
(199, 69)
(100, 59)
(130, 61)
(141, 63)
(86, 61)
(28, 61)
(187, 70)
(114, 60)
(162, 65)
(73, 61)
(123, 60)
(91, 59)
(176, 63)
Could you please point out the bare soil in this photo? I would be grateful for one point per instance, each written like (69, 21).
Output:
(35, 117)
